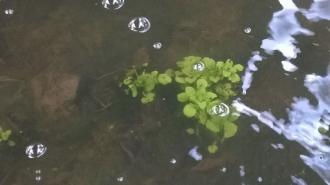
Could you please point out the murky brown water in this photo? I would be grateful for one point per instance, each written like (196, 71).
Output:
(60, 64)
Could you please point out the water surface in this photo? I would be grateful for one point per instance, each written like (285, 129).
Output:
(61, 61)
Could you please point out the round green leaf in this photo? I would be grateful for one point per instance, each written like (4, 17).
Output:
(209, 62)
(211, 95)
(239, 67)
(212, 148)
(180, 80)
(148, 97)
(182, 97)
(164, 79)
(220, 64)
(214, 79)
(234, 78)
(201, 84)
(212, 126)
(226, 73)
(189, 110)
(190, 79)
(149, 84)
(190, 91)
(230, 129)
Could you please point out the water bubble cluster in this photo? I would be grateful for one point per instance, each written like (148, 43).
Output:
(139, 24)
(200, 66)
(38, 175)
(157, 45)
(112, 4)
(241, 170)
(35, 150)
(9, 12)
(220, 110)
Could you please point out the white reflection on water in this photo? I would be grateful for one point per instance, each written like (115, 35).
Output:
(298, 181)
(251, 68)
(319, 10)
(282, 28)
(193, 152)
(304, 120)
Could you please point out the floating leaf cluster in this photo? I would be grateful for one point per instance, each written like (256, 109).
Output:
(207, 85)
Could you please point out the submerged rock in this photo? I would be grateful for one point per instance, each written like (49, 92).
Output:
(54, 90)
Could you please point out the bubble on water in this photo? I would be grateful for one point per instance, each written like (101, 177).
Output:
(9, 12)
(241, 170)
(112, 4)
(247, 30)
(173, 161)
(157, 45)
(259, 179)
(220, 110)
(223, 169)
(38, 171)
(35, 150)
(200, 66)
(139, 24)
(120, 179)
(38, 178)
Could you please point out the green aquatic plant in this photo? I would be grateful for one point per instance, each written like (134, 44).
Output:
(193, 68)
(5, 136)
(207, 85)
(222, 76)
(196, 99)
(143, 83)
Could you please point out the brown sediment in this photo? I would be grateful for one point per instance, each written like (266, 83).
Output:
(54, 90)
